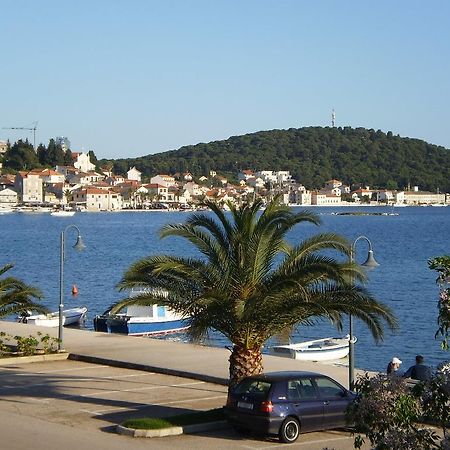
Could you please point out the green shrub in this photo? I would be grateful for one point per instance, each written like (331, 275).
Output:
(26, 345)
(48, 343)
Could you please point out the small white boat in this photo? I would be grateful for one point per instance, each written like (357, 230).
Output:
(71, 316)
(62, 213)
(326, 349)
(33, 209)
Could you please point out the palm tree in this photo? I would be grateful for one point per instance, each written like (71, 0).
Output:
(17, 297)
(250, 284)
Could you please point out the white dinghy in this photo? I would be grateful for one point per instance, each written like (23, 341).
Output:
(326, 349)
(70, 316)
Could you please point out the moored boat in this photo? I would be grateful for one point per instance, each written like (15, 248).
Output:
(138, 320)
(70, 316)
(146, 321)
(64, 212)
(326, 349)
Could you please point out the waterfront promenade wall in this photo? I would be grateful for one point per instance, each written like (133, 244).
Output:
(164, 356)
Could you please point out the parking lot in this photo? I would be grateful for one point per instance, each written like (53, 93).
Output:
(94, 398)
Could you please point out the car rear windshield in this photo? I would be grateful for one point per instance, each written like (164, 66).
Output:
(257, 388)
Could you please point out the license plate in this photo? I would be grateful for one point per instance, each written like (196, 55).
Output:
(245, 405)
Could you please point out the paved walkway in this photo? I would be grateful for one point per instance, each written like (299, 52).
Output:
(174, 358)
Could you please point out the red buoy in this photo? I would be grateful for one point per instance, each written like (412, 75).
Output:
(74, 290)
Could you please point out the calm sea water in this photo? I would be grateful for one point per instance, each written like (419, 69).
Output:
(402, 245)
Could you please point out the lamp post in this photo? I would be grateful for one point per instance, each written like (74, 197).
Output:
(78, 246)
(370, 263)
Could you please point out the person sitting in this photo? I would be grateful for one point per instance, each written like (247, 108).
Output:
(419, 371)
(393, 366)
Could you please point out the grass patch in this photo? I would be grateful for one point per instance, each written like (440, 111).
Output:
(180, 420)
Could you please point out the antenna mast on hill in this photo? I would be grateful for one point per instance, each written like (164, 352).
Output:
(333, 118)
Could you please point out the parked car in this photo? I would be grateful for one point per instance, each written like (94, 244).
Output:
(287, 403)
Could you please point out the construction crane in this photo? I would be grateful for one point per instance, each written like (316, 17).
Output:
(33, 129)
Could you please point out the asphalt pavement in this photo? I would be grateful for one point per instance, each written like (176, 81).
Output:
(107, 378)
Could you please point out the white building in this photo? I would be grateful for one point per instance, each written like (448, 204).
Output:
(163, 180)
(423, 198)
(300, 196)
(52, 176)
(280, 177)
(284, 177)
(8, 197)
(266, 175)
(325, 199)
(245, 175)
(95, 199)
(29, 186)
(331, 184)
(193, 189)
(82, 162)
(134, 174)
(3, 147)
(256, 182)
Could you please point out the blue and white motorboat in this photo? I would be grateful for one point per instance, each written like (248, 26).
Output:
(139, 320)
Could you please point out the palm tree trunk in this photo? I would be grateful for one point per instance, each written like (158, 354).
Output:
(243, 363)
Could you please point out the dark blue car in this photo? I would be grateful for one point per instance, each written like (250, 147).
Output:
(287, 403)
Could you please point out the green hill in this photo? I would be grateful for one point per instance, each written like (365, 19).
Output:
(313, 155)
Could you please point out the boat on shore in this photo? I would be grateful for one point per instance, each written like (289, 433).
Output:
(326, 349)
(72, 316)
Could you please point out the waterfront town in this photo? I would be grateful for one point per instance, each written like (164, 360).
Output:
(82, 186)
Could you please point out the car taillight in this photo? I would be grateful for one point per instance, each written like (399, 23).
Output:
(266, 407)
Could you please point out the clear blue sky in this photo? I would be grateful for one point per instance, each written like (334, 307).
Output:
(130, 78)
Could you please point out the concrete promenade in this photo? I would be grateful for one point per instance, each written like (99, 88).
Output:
(161, 356)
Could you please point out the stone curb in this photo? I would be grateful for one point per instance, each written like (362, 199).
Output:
(34, 358)
(147, 368)
(172, 431)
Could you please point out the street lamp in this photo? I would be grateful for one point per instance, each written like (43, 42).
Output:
(78, 246)
(370, 263)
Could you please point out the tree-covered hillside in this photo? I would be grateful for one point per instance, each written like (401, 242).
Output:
(313, 155)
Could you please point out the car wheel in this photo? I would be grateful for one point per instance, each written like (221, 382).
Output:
(289, 430)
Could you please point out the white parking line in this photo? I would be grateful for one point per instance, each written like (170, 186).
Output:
(99, 412)
(23, 386)
(97, 379)
(145, 388)
(74, 369)
(26, 374)
(42, 372)
(36, 400)
(128, 376)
